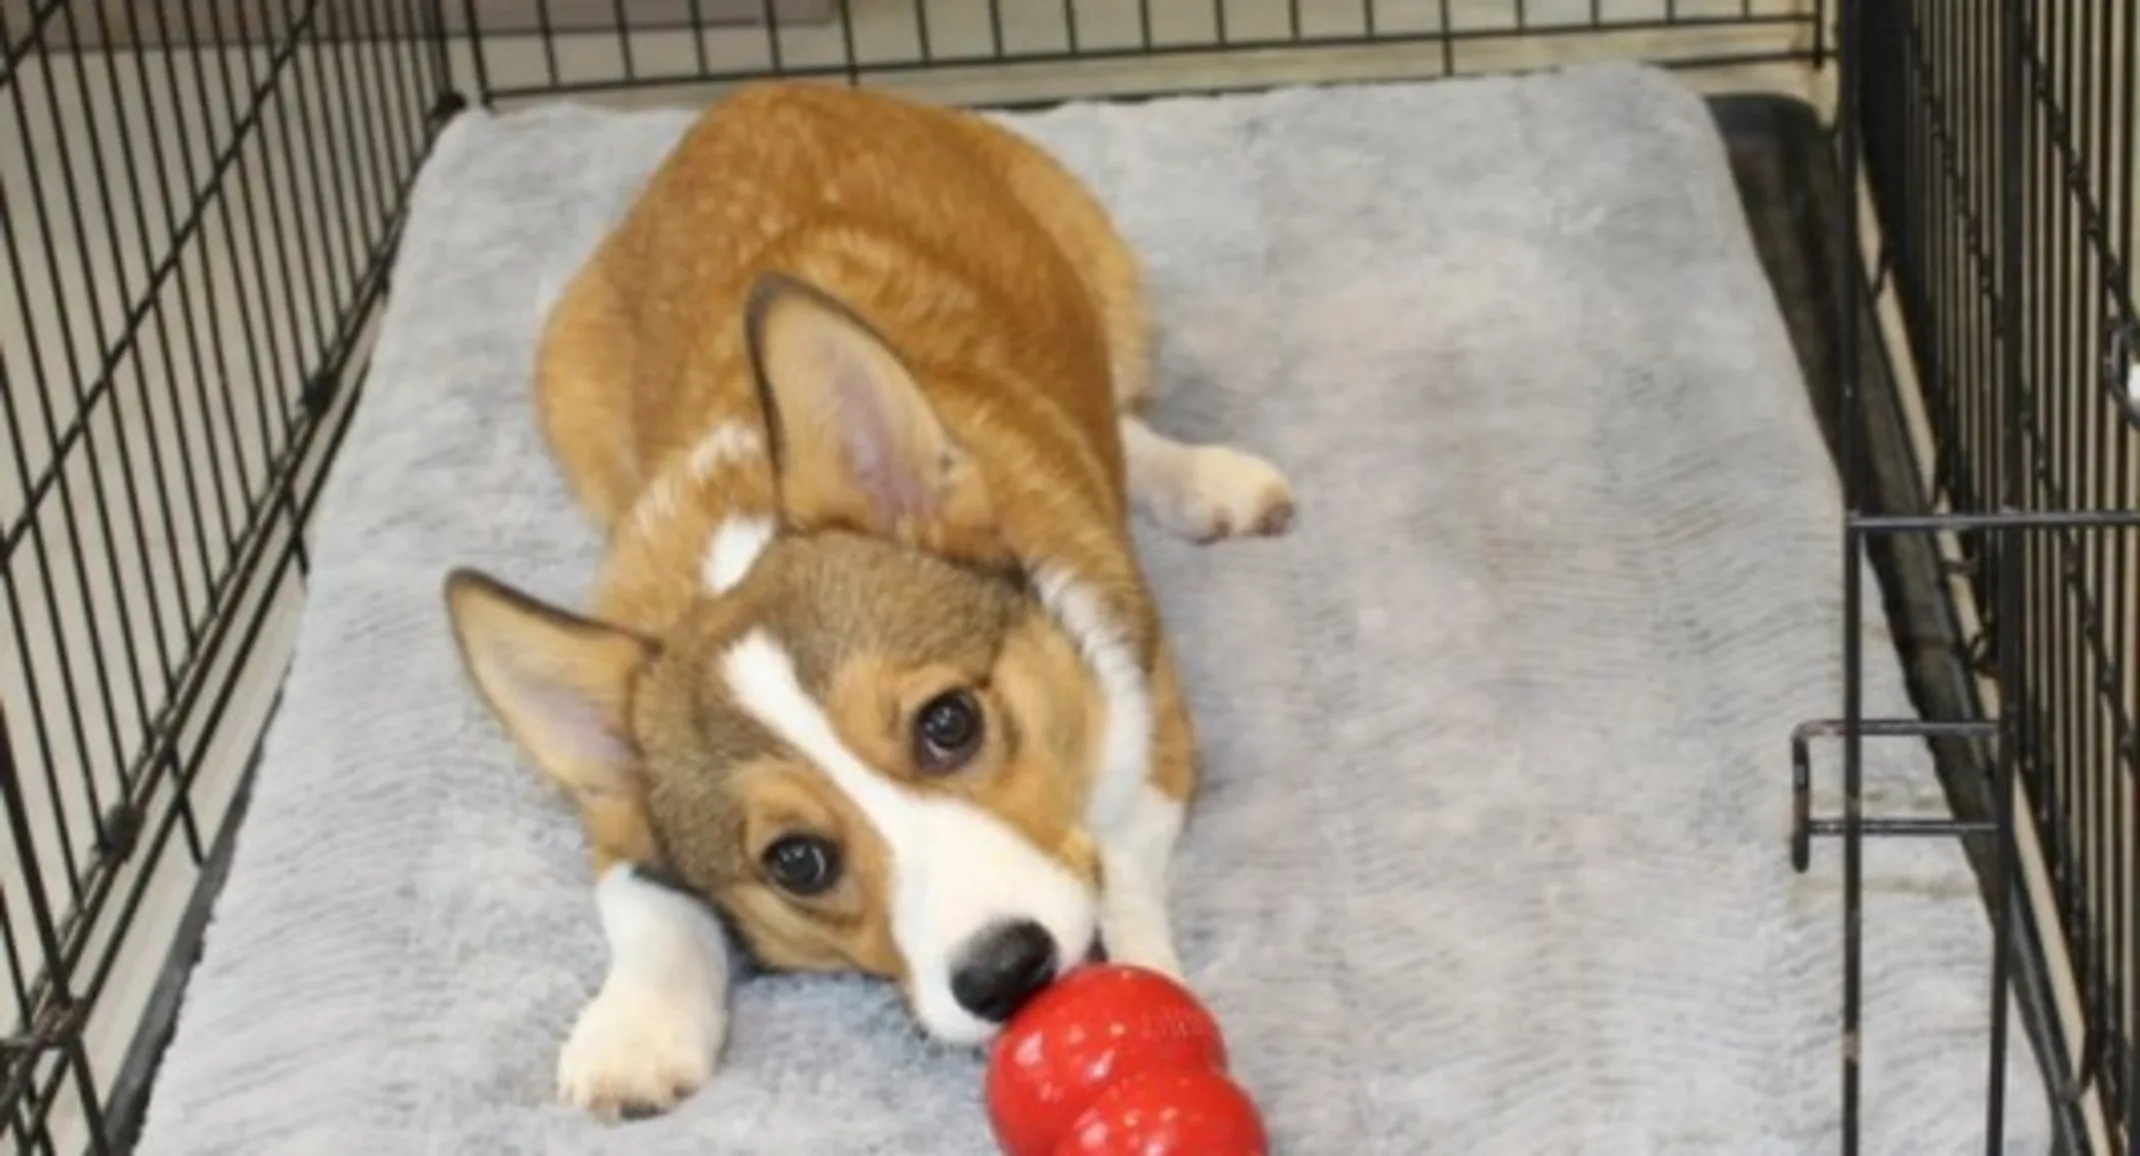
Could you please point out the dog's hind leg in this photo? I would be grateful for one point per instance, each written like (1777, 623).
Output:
(1203, 493)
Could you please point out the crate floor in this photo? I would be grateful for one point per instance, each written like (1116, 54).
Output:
(1491, 857)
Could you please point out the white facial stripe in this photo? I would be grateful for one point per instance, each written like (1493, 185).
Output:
(1125, 748)
(734, 549)
(956, 869)
(763, 678)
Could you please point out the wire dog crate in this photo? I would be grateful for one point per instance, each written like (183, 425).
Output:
(201, 203)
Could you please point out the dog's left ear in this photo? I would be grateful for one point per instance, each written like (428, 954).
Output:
(561, 684)
(853, 440)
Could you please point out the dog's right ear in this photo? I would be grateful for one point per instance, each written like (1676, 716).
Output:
(560, 684)
(852, 438)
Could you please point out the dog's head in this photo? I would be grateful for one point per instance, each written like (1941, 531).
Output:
(864, 741)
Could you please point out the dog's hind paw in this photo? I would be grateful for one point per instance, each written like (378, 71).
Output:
(1220, 492)
(639, 1050)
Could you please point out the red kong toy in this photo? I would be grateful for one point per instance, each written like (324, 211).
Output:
(1117, 1061)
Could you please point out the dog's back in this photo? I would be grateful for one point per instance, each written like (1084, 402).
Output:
(968, 248)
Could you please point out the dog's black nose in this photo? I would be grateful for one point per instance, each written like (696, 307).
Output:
(1005, 966)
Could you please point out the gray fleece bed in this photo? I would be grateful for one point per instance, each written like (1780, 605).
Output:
(1492, 855)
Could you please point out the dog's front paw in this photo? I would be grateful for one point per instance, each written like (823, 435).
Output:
(1136, 946)
(639, 1050)
(1225, 493)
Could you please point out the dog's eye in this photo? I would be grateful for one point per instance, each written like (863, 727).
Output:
(803, 864)
(947, 731)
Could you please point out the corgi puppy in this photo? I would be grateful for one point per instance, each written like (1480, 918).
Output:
(871, 680)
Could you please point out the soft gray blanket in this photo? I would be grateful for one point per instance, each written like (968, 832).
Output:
(1492, 856)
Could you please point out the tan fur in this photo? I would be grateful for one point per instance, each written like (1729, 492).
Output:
(987, 266)
(953, 630)
(801, 248)
(1018, 783)
(604, 662)
(992, 271)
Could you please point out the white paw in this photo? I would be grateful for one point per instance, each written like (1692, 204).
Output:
(1220, 492)
(639, 1050)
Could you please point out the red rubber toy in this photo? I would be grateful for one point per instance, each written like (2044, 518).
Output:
(1117, 1061)
(1167, 1111)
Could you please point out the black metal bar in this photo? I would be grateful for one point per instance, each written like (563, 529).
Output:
(371, 104)
(2011, 562)
(478, 51)
(230, 164)
(2122, 962)
(549, 42)
(624, 40)
(79, 225)
(242, 172)
(49, 247)
(1876, 828)
(107, 820)
(20, 48)
(1448, 35)
(1848, 130)
(156, 138)
(772, 35)
(851, 61)
(698, 35)
(407, 106)
(158, 471)
(17, 1062)
(2099, 983)
(1804, 826)
(435, 70)
(2065, 159)
(48, 754)
(2003, 520)
(336, 129)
